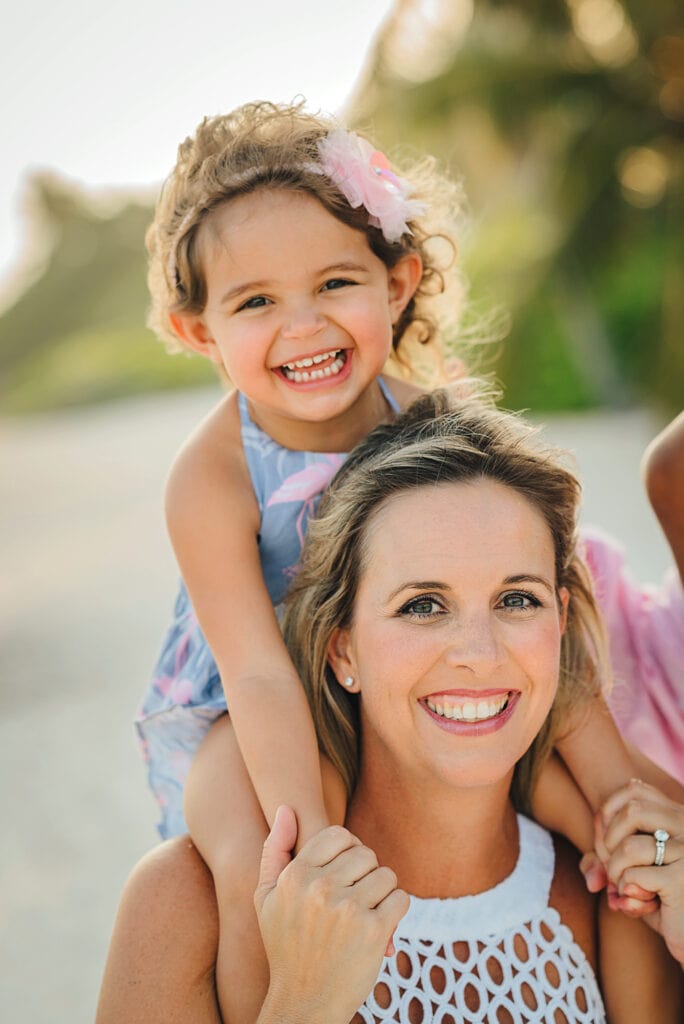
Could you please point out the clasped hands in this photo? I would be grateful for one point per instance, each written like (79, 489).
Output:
(326, 917)
(624, 861)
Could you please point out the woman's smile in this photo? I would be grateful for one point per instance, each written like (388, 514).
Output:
(455, 640)
(474, 715)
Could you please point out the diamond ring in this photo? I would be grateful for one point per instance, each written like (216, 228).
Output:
(661, 837)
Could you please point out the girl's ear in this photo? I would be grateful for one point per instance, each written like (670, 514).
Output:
(341, 660)
(563, 601)
(404, 278)
(191, 330)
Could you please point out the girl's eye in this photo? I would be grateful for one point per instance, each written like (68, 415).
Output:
(520, 600)
(422, 607)
(256, 302)
(336, 282)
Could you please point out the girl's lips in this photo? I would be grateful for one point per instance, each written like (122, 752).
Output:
(472, 712)
(331, 369)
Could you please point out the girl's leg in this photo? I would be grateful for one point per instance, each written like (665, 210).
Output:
(229, 829)
(227, 824)
(160, 966)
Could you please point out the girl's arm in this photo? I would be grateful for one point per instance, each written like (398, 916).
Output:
(213, 522)
(628, 821)
(595, 763)
(663, 472)
(641, 960)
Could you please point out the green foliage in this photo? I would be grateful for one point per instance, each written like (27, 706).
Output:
(565, 121)
(571, 154)
(76, 334)
(92, 366)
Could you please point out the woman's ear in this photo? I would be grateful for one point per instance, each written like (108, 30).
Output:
(191, 331)
(563, 602)
(341, 660)
(404, 278)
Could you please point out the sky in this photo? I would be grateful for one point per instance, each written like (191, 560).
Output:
(103, 93)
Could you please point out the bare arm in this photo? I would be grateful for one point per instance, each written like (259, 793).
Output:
(213, 522)
(569, 791)
(663, 472)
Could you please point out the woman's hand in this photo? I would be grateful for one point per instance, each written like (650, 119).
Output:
(326, 918)
(628, 821)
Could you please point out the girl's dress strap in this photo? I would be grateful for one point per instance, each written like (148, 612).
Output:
(246, 419)
(387, 395)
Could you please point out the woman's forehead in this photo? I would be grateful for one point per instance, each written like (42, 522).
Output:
(438, 527)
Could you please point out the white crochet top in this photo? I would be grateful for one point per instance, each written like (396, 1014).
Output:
(501, 957)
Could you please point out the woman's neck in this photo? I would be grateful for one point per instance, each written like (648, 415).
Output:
(454, 842)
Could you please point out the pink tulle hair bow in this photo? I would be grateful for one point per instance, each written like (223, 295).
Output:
(364, 178)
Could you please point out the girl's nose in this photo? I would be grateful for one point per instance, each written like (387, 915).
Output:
(303, 322)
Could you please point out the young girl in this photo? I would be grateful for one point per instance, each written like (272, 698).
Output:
(287, 251)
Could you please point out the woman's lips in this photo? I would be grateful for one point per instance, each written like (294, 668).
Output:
(472, 712)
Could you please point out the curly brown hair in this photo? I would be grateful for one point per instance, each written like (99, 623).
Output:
(267, 145)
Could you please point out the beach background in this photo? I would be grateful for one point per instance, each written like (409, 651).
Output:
(563, 125)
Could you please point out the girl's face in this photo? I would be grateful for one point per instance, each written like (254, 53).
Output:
(455, 643)
(299, 309)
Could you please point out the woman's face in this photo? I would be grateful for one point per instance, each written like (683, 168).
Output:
(455, 644)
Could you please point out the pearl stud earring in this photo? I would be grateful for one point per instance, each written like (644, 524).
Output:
(349, 682)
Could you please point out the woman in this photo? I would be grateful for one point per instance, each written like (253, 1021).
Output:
(444, 628)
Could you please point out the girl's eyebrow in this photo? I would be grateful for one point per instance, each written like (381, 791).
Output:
(240, 289)
(248, 286)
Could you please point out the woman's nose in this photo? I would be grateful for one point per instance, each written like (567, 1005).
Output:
(474, 644)
(302, 322)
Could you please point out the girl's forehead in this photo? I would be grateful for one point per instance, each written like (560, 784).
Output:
(279, 227)
(260, 209)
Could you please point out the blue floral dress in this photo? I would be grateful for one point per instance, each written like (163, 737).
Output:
(185, 695)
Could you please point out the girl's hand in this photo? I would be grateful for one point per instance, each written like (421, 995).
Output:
(326, 918)
(628, 821)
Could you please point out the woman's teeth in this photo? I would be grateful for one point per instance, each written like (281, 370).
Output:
(469, 711)
(299, 373)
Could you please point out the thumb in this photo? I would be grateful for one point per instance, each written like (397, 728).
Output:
(594, 872)
(277, 852)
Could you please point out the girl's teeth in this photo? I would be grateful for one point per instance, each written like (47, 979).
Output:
(294, 371)
(468, 711)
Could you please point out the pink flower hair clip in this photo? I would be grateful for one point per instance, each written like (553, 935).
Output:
(364, 178)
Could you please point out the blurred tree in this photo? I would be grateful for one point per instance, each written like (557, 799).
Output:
(77, 332)
(566, 123)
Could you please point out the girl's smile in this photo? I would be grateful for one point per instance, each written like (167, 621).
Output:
(299, 312)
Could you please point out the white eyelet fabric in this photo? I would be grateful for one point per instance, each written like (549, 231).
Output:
(501, 957)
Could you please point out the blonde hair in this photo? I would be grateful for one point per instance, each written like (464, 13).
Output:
(266, 145)
(434, 442)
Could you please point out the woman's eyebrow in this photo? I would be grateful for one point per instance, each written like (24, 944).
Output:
(419, 585)
(529, 577)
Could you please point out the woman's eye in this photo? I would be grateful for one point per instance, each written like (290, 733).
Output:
(336, 282)
(520, 599)
(422, 607)
(256, 302)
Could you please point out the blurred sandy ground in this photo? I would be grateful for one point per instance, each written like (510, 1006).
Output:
(87, 583)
